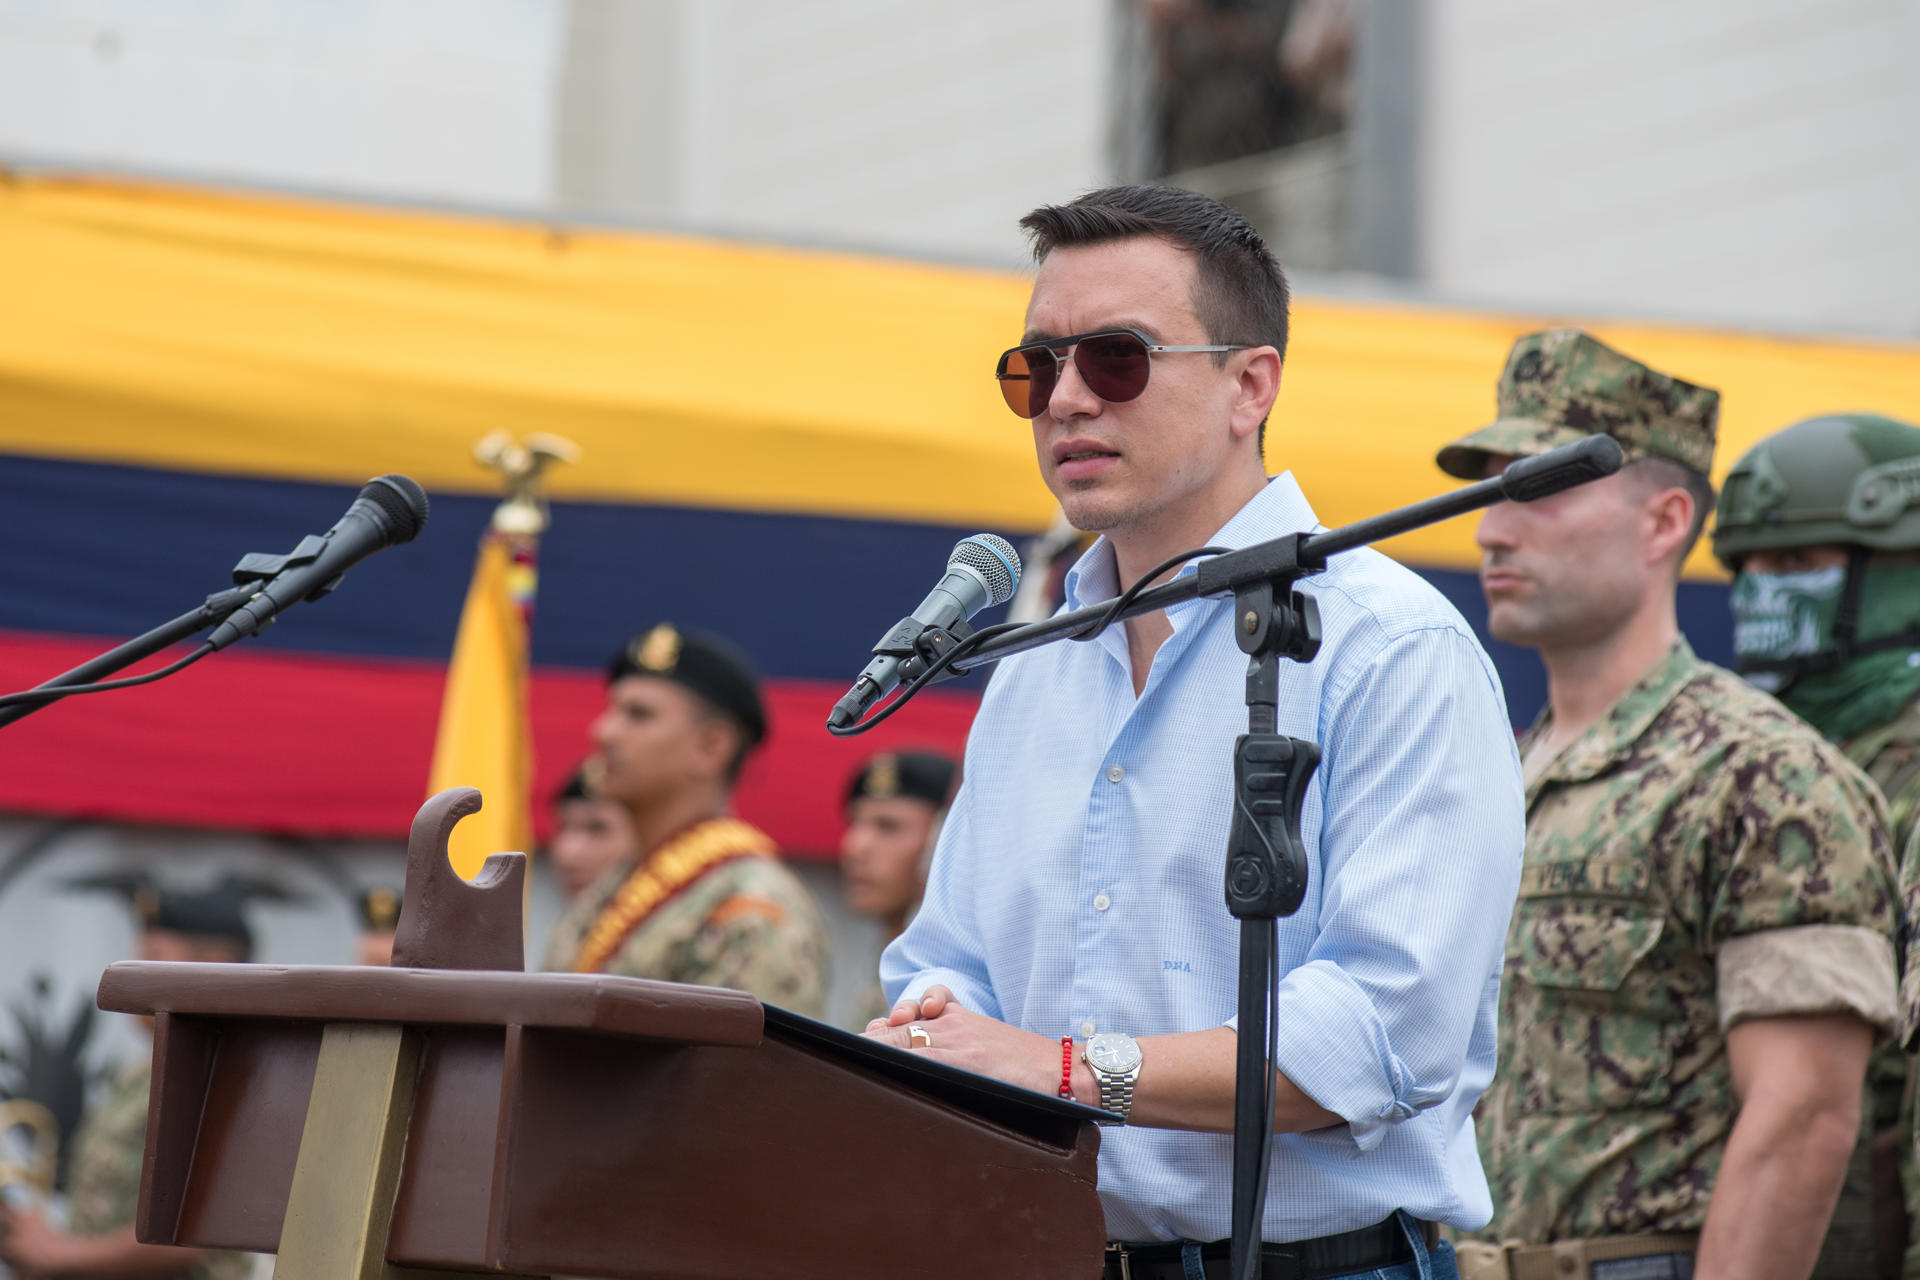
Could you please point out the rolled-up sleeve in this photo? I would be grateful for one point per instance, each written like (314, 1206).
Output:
(1420, 846)
(1803, 919)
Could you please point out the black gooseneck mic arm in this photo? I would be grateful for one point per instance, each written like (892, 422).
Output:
(388, 510)
(216, 609)
(1539, 476)
(1266, 865)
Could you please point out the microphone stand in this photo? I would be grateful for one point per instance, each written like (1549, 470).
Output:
(253, 569)
(1266, 866)
(215, 610)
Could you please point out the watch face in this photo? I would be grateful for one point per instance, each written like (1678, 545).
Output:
(1113, 1053)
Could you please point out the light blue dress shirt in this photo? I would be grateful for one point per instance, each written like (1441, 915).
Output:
(1077, 885)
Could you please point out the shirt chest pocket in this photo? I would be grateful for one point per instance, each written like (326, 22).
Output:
(1589, 1016)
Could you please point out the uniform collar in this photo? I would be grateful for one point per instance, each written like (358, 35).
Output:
(1613, 736)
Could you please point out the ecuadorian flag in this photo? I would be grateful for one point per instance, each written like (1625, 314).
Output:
(778, 445)
(485, 738)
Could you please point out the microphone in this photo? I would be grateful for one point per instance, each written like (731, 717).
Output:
(388, 511)
(983, 569)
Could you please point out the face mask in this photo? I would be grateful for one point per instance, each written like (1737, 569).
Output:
(1781, 616)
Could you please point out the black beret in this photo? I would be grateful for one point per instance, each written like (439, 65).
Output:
(712, 667)
(574, 788)
(921, 775)
(380, 909)
(215, 912)
(211, 913)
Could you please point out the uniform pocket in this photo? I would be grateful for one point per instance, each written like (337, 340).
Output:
(1591, 1029)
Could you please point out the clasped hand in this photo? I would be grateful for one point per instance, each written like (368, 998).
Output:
(957, 1035)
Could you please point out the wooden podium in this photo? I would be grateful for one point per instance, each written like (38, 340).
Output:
(456, 1114)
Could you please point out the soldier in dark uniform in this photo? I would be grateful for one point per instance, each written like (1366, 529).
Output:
(705, 899)
(895, 805)
(108, 1148)
(590, 833)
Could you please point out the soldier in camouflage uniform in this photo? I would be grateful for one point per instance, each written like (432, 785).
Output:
(1701, 956)
(108, 1148)
(1820, 525)
(707, 900)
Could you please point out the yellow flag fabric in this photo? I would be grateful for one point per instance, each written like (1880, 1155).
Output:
(484, 738)
(240, 334)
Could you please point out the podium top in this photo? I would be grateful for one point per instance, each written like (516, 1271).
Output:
(444, 997)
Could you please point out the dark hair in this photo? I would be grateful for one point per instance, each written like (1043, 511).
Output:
(744, 740)
(1655, 474)
(1239, 291)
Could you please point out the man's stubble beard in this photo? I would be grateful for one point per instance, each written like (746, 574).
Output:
(1546, 622)
(1092, 511)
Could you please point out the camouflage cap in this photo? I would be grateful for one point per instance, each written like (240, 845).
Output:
(1563, 385)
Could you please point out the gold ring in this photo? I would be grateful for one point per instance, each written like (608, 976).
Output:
(917, 1037)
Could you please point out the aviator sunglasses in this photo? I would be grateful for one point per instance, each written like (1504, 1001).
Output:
(1114, 363)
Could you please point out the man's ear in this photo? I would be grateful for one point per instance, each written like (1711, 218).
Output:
(1669, 518)
(1257, 387)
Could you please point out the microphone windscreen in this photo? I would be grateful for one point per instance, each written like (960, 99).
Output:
(402, 502)
(994, 559)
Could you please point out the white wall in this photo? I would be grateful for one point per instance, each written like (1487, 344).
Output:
(919, 127)
(435, 100)
(1753, 161)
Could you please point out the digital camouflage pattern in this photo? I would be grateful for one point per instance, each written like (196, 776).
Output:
(1890, 755)
(105, 1187)
(1697, 812)
(1910, 973)
(1563, 385)
(748, 924)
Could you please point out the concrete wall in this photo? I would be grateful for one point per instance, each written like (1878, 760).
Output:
(435, 100)
(1743, 160)
(920, 128)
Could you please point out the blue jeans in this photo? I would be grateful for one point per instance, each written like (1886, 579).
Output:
(1427, 1264)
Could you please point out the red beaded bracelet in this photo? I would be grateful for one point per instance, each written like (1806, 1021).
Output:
(1066, 1067)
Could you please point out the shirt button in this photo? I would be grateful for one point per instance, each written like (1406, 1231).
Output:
(1115, 773)
(1086, 1028)
(1101, 902)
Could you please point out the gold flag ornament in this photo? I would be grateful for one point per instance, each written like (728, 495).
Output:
(485, 739)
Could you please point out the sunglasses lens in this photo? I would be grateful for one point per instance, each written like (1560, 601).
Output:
(1027, 376)
(1114, 366)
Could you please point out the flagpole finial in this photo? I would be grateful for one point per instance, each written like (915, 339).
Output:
(521, 464)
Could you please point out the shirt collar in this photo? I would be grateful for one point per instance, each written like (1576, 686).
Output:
(1613, 737)
(1279, 508)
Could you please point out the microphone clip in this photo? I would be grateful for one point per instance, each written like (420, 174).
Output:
(918, 646)
(260, 566)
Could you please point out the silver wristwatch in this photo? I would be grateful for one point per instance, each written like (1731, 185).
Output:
(1114, 1059)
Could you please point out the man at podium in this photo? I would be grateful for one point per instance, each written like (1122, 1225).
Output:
(1073, 934)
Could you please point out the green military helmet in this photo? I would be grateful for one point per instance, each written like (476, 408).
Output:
(1851, 479)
